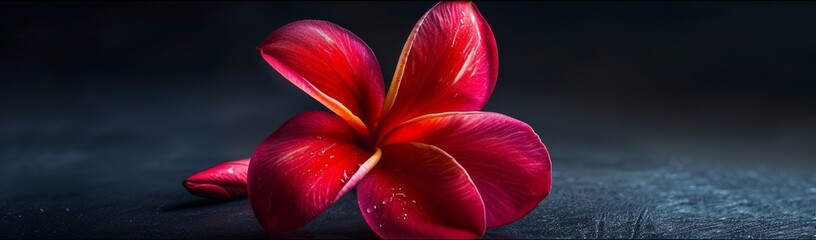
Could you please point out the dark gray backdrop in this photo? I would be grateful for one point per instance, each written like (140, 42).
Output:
(680, 120)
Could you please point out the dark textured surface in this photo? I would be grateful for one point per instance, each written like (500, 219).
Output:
(122, 179)
(663, 120)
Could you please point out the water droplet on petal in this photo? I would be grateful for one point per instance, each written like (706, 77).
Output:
(370, 210)
(388, 200)
(326, 165)
(379, 226)
(323, 151)
(331, 156)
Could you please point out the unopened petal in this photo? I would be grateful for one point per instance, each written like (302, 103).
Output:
(224, 181)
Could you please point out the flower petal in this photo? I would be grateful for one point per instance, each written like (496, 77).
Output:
(504, 157)
(418, 191)
(330, 64)
(449, 63)
(223, 181)
(303, 168)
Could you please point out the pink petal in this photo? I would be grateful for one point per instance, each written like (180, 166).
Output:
(449, 63)
(330, 64)
(504, 157)
(418, 191)
(223, 181)
(303, 168)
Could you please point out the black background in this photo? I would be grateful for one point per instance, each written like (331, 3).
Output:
(663, 119)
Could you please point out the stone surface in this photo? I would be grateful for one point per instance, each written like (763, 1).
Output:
(113, 169)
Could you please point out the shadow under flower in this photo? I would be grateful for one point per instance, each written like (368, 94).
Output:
(197, 203)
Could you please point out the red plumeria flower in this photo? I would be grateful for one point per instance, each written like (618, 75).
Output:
(425, 161)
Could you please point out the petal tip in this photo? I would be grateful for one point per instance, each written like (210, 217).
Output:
(206, 190)
(223, 181)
